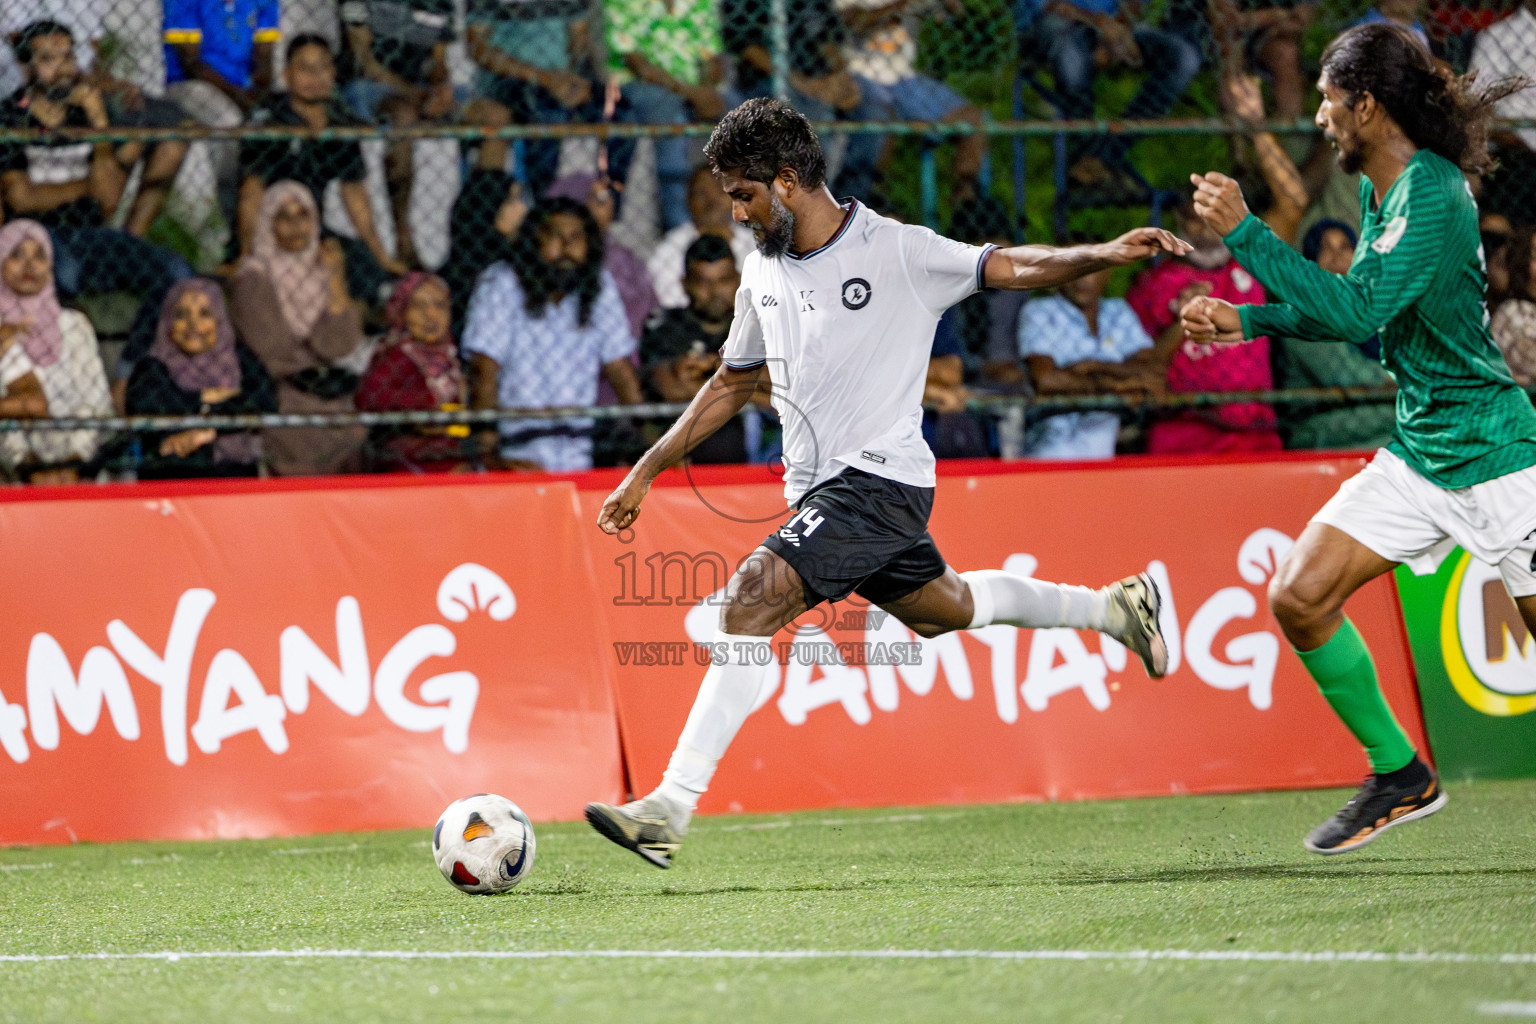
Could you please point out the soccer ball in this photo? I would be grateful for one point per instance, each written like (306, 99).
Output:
(483, 844)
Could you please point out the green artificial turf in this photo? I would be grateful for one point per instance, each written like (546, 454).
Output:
(1210, 873)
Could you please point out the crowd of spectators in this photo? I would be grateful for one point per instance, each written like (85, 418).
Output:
(321, 297)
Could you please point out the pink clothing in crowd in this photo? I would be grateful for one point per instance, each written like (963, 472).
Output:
(1243, 367)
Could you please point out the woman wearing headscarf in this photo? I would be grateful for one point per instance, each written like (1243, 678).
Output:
(197, 367)
(290, 304)
(416, 368)
(1327, 364)
(49, 363)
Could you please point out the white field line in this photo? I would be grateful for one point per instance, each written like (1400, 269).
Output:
(25, 867)
(1017, 955)
(1507, 1009)
(299, 851)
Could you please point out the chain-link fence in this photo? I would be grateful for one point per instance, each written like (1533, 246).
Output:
(413, 221)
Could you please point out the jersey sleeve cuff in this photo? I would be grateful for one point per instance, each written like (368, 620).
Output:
(744, 364)
(268, 35)
(1244, 230)
(1245, 314)
(981, 266)
(183, 36)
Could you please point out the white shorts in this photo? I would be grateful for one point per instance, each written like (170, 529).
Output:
(1404, 518)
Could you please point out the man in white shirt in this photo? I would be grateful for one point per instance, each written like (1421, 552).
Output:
(708, 210)
(836, 311)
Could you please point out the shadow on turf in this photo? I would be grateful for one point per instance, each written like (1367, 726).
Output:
(1380, 867)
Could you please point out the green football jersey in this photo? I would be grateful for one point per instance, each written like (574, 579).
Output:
(1418, 280)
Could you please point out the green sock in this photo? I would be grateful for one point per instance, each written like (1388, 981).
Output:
(1347, 676)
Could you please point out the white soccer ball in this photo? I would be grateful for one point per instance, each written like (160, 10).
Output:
(483, 844)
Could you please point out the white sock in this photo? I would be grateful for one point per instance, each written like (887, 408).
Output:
(725, 699)
(1001, 597)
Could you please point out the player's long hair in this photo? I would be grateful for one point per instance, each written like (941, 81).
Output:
(539, 281)
(1437, 109)
(762, 137)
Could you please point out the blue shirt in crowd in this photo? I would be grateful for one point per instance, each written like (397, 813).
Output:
(1053, 327)
(226, 30)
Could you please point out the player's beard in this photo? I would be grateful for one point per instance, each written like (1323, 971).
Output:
(1350, 160)
(775, 237)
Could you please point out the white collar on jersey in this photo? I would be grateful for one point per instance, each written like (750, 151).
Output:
(852, 206)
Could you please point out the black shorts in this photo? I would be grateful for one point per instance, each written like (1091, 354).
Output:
(862, 533)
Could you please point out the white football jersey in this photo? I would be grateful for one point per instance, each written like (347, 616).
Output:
(846, 331)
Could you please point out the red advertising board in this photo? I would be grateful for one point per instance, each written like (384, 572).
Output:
(1002, 714)
(183, 661)
(296, 661)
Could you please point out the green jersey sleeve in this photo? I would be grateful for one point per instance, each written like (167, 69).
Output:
(1389, 273)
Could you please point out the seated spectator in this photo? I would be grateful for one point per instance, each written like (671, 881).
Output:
(1514, 321)
(197, 367)
(486, 216)
(1157, 295)
(536, 67)
(218, 67)
(820, 86)
(668, 58)
(950, 430)
(291, 305)
(48, 363)
(72, 187)
(1326, 364)
(125, 102)
(633, 281)
(1078, 38)
(397, 74)
(416, 368)
(1508, 47)
(310, 74)
(882, 57)
(543, 324)
(989, 320)
(1079, 343)
(680, 350)
(709, 213)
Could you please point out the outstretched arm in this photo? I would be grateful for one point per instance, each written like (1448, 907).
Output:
(1388, 275)
(1026, 267)
(717, 401)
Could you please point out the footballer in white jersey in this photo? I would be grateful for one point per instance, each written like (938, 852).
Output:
(835, 316)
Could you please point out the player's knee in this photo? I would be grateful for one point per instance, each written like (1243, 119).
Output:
(1296, 604)
(929, 630)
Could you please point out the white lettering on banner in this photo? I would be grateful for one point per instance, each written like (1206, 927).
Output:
(233, 699)
(472, 587)
(1251, 658)
(1058, 660)
(942, 653)
(171, 671)
(231, 675)
(1079, 670)
(303, 662)
(51, 688)
(839, 683)
(459, 690)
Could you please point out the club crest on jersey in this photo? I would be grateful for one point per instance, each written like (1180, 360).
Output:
(1391, 236)
(856, 293)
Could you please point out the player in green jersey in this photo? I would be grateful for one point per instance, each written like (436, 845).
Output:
(1459, 468)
